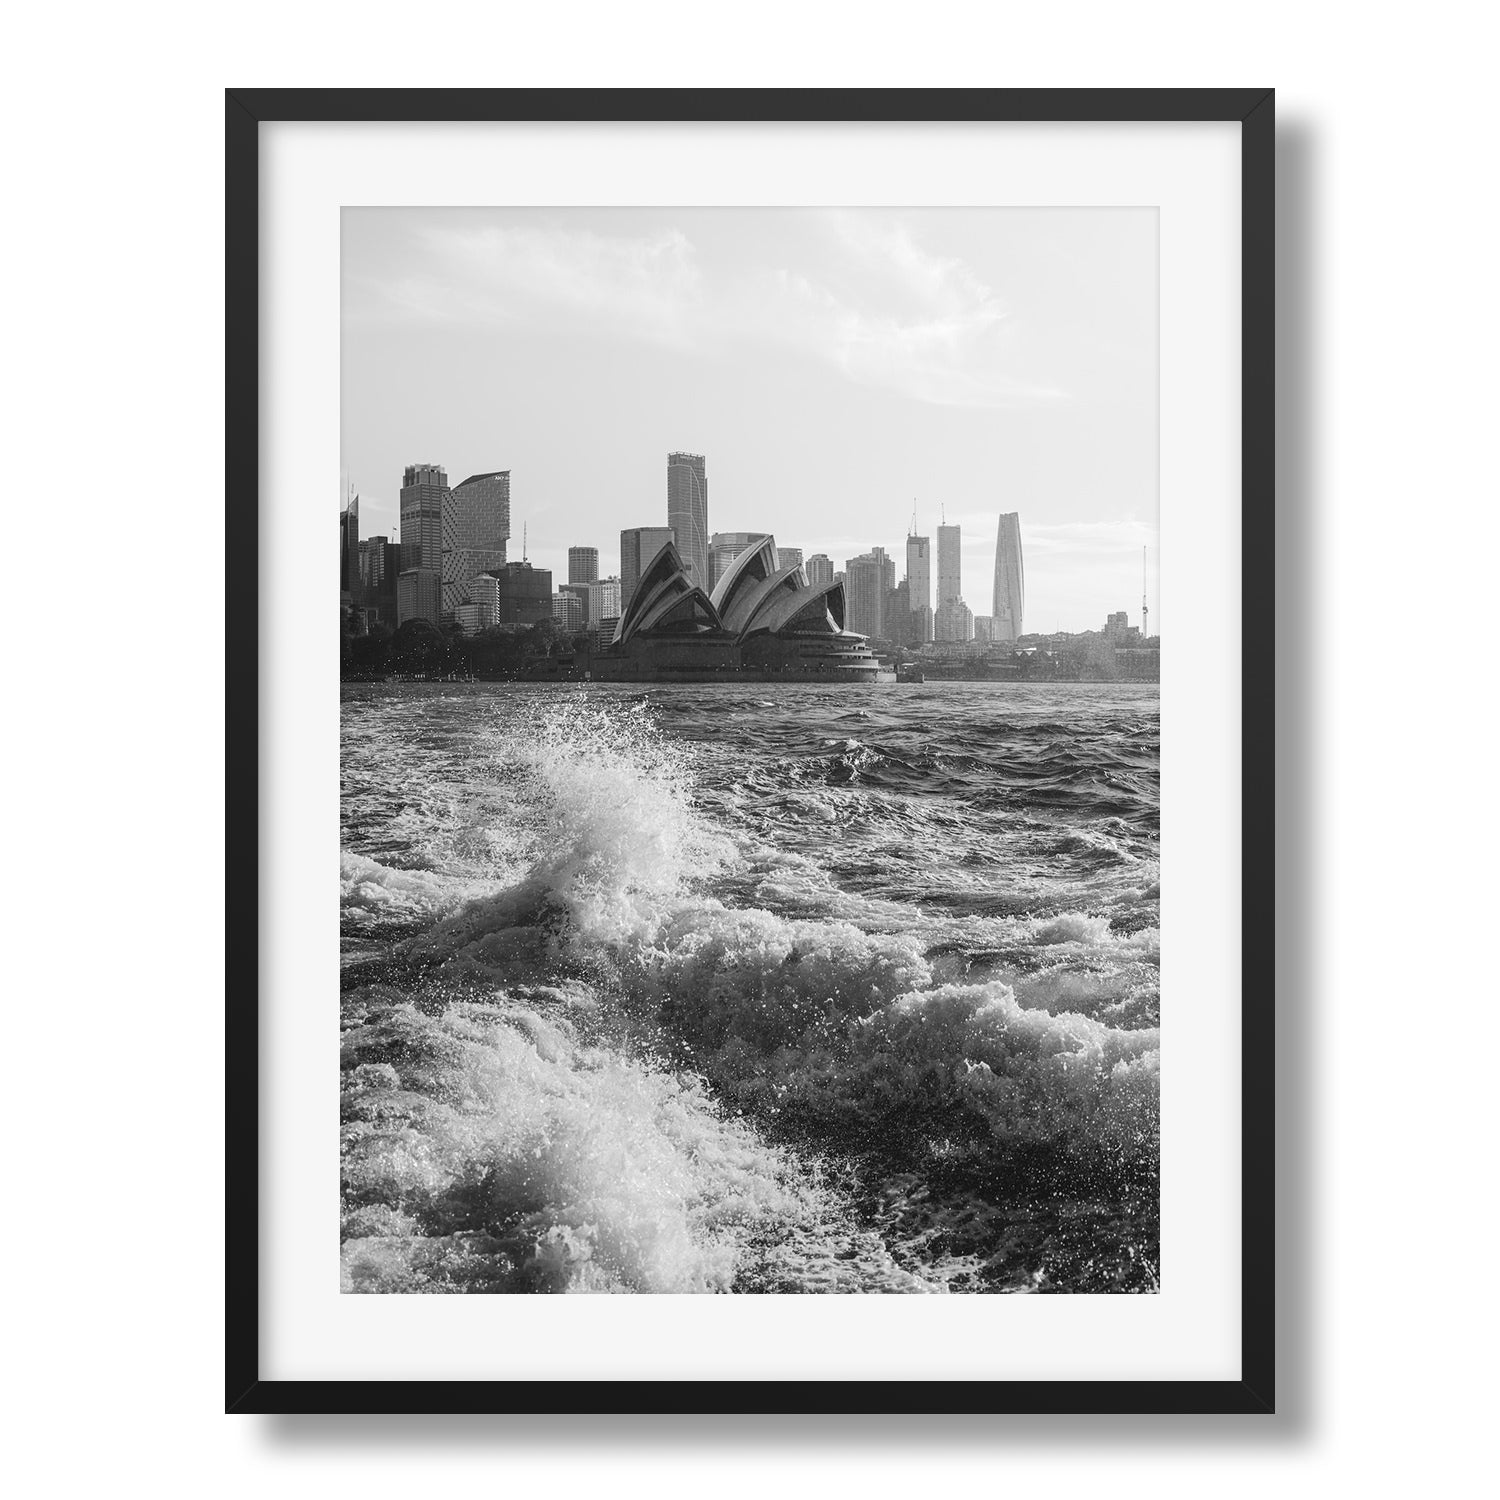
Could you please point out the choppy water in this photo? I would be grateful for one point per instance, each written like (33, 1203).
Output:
(749, 989)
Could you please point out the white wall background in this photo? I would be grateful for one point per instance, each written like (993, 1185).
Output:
(1386, 605)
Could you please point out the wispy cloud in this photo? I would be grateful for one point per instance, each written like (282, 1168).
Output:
(647, 286)
(871, 301)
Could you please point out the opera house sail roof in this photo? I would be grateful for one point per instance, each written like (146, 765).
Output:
(762, 619)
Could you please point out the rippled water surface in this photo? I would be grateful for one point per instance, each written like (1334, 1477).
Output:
(750, 988)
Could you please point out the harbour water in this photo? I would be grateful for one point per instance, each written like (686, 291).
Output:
(750, 988)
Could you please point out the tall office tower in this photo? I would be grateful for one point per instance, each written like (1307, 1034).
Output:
(868, 579)
(604, 599)
(724, 547)
(423, 490)
(637, 547)
(950, 564)
(379, 563)
(349, 589)
(898, 621)
(819, 569)
(791, 557)
(919, 589)
(953, 621)
(583, 564)
(919, 571)
(476, 527)
(1010, 579)
(687, 512)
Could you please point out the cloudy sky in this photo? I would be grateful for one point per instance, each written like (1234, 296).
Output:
(836, 366)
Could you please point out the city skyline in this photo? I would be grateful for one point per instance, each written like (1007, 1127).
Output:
(832, 366)
(490, 506)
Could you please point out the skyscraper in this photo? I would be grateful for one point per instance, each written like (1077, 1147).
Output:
(349, 581)
(379, 564)
(423, 490)
(919, 590)
(919, 571)
(951, 620)
(1010, 580)
(637, 547)
(868, 579)
(791, 557)
(898, 616)
(476, 527)
(583, 564)
(687, 512)
(950, 564)
(819, 568)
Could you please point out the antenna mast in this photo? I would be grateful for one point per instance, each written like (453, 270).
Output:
(1145, 613)
(523, 542)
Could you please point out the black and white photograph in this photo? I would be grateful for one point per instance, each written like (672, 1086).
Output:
(750, 751)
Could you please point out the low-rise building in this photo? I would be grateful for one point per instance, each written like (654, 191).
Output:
(417, 595)
(604, 599)
(953, 621)
(580, 591)
(567, 610)
(525, 594)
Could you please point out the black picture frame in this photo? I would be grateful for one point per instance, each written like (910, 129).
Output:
(1254, 110)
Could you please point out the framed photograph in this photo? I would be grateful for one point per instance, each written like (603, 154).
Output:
(776, 834)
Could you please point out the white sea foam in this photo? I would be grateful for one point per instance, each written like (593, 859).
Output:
(577, 1169)
(537, 1140)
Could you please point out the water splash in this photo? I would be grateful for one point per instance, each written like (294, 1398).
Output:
(573, 1034)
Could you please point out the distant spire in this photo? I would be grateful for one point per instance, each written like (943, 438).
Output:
(1145, 613)
(523, 542)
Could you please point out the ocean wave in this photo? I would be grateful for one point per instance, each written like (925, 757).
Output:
(578, 1081)
(489, 1149)
(484, 1149)
(781, 1014)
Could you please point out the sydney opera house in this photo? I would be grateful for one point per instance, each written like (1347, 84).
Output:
(762, 621)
